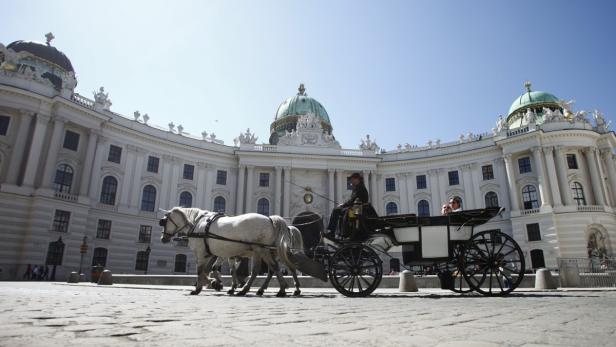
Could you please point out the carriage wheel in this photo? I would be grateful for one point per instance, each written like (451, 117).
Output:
(453, 268)
(492, 263)
(355, 270)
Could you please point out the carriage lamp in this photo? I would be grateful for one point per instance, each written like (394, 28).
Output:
(308, 198)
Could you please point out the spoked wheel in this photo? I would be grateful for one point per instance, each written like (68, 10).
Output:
(452, 269)
(355, 270)
(492, 263)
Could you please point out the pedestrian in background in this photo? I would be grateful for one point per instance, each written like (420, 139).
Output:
(28, 274)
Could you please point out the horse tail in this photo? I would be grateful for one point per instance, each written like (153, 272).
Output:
(284, 239)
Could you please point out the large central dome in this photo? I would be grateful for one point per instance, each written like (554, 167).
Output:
(291, 109)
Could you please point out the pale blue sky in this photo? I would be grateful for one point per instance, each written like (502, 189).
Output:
(402, 71)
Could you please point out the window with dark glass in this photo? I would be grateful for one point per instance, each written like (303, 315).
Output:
(63, 181)
(143, 259)
(263, 207)
(529, 197)
(99, 257)
(533, 232)
(103, 230)
(491, 199)
(572, 161)
(186, 199)
(423, 208)
(153, 163)
(115, 154)
(391, 208)
(524, 165)
(349, 185)
(71, 140)
(60, 221)
(578, 193)
(189, 171)
(264, 179)
(536, 258)
(145, 233)
(221, 177)
(488, 172)
(454, 178)
(148, 198)
(180, 263)
(421, 182)
(108, 192)
(390, 184)
(219, 204)
(4, 124)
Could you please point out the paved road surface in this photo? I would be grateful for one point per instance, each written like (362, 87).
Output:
(56, 314)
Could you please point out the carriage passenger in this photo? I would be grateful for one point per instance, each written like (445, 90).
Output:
(454, 205)
(359, 194)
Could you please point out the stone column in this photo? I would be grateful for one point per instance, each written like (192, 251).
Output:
(135, 188)
(330, 190)
(603, 178)
(18, 152)
(476, 177)
(88, 163)
(404, 201)
(410, 193)
(201, 178)
(101, 149)
(442, 186)
(287, 192)
(374, 197)
(131, 161)
(52, 154)
(36, 149)
(249, 187)
(278, 190)
(553, 175)
(589, 152)
(501, 177)
(513, 189)
(434, 191)
(166, 172)
(608, 158)
(210, 179)
(468, 187)
(545, 197)
(173, 184)
(239, 199)
(561, 172)
(366, 175)
(339, 186)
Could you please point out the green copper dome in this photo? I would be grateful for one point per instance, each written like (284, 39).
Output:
(535, 99)
(292, 109)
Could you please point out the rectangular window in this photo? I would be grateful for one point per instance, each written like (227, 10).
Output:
(189, 171)
(153, 163)
(60, 221)
(71, 140)
(572, 161)
(264, 179)
(4, 124)
(454, 178)
(104, 229)
(115, 154)
(145, 233)
(221, 177)
(421, 182)
(524, 165)
(488, 172)
(349, 185)
(533, 232)
(390, 184)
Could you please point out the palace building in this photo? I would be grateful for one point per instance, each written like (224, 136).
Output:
(74, 172)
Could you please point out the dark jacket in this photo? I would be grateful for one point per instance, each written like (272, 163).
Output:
(359, 192)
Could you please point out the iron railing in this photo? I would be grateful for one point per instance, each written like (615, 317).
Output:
(587, 272)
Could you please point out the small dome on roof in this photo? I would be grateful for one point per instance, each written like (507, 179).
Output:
(536, 99)
(44, 51)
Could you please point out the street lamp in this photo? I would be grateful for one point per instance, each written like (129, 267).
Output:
(83, 249)
(147, 263)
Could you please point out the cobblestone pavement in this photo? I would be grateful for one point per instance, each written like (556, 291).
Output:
(56, 314)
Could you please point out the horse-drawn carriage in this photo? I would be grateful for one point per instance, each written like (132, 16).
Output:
(488, 262)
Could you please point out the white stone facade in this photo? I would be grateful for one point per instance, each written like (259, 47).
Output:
(33, 151)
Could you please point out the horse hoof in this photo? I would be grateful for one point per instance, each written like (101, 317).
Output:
(259, 292)
(242, 293)
(297, 292)
(195, 292)
(230, 291)
(281, 294)
(217, 286)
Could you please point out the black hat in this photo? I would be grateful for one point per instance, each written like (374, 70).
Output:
(356, 175)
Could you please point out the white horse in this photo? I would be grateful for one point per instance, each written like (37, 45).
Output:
(248, 235)
(293, 242)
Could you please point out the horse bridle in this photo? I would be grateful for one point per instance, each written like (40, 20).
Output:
(163, 223)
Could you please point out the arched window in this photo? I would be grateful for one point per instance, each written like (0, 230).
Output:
(186, 199)
(578, 193)
(148, 198)
(219, 204)
(423, 208)
(108, 192)
(529, 197)
(263, 207)
(180, 263)
(143, 258)
(64, 179)
(536, 259)
(100, 256)
(491, 199)
(55, 252)
(391, 208)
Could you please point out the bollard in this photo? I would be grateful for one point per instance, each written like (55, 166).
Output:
(544, 279)
(106, 278)
(73, 277)
(82, 277)
(407, 282)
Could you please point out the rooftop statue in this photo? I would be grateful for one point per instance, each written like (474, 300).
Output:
(369, 145)
(501, 125)
(247, 138)
(601, 124)
(308, 131)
